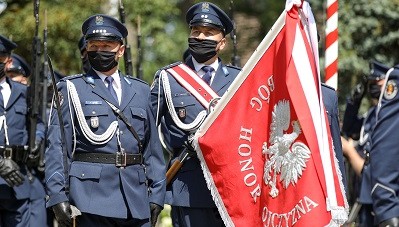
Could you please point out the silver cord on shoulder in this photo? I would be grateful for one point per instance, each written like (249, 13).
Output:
(92, 137)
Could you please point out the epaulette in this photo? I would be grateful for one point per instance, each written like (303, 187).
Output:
(127, 78)
(71, 77)
(328, 86)
(171, 65)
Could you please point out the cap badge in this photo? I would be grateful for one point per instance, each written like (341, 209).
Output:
(205, 7)
(99, 20)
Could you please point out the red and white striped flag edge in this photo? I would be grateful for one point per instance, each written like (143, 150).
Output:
(266, 150)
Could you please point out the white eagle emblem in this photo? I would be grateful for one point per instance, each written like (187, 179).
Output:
(284, 156)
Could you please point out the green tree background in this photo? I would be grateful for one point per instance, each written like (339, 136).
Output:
(367, 30)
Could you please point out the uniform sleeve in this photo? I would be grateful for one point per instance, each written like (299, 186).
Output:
(155, 162)
(56, 180)
(384, 159)
(352, 123)
(40, 129)
(157, 98)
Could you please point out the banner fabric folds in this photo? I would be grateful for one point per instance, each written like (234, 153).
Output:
(266, 149)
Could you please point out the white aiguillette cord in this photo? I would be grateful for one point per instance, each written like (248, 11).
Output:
(92, 137)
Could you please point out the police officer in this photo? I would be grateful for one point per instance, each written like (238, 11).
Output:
(83, 54)
(15, 187)
(19, 71)
(191, 201)
(360, 128)
(115, 168)
(384, 155)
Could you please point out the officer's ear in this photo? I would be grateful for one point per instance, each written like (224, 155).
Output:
(121, 51)
(222, 43)
(8, 62)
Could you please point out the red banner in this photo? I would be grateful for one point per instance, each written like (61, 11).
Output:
(266, 150)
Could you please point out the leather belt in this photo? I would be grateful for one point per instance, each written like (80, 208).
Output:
(17, 153)
(119, 159)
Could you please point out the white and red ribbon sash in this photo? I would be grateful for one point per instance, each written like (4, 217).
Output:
(193, 83)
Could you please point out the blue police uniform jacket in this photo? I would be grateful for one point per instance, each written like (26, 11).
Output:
(384, 155)
(17, 118)
(330, 101)
(98, 188)
(188, 188)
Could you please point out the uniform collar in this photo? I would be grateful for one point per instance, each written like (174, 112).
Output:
(115, 75)
(198, 66)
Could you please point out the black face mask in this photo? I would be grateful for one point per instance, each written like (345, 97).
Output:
(102, 61)
(374, 90)
(85, 64)
(202, 49)
(2, 69)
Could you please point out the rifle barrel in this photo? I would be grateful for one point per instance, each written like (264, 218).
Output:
(127, 55)
(139, 50)
(235, 59)
(34, 87)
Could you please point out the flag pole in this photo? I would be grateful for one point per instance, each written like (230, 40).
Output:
(331, 54)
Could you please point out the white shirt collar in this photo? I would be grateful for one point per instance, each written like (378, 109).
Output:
(116, 83)
(198, 66)
(2, 81)
(115, 75)
(5, 90)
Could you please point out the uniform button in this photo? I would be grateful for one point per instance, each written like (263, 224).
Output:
(83, 174)
(121, 132)
(94, 112)
(182, 103)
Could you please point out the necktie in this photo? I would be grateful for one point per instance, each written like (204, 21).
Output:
(111, 89)
(208, 73)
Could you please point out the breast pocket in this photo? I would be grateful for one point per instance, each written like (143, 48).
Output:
(21, 110)
(95, 114)
(186, 107)
(139, 118)
(17, 120)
